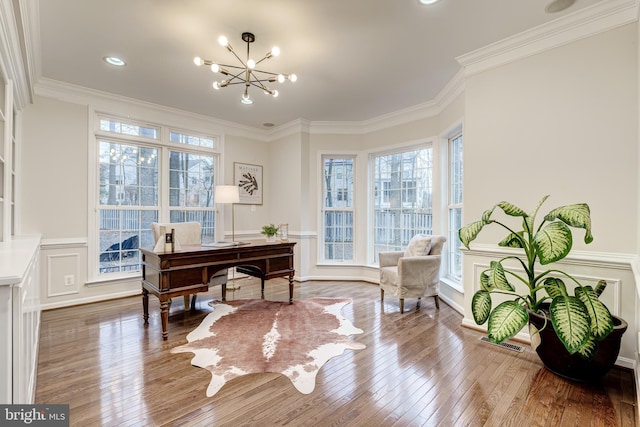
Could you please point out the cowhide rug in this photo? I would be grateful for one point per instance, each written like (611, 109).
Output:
(255, 335)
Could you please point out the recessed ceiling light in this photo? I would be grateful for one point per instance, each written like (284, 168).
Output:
(558, 5)
(114, 60)
(427, 1)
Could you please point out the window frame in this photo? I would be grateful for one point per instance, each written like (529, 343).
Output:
(164, 146)
(352, 209)
(452, 205)
(405, 148)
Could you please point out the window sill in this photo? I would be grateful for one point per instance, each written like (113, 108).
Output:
(453, 284)
(114, 279)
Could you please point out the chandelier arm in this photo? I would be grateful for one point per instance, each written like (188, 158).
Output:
(231, 66)
(259, 85)
(267, 72)
(238, 58)
(265, 57)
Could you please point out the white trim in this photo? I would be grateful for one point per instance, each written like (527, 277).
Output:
(11, 64)
(88, 300)
(589, 21)
(608, 260)
(49, 279)
(105, 101)
(69, 242)
(524, 337)
(431, 108)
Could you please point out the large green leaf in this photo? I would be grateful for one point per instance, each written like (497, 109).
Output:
(484, 281)
(506, 320)
(486, 215)
(553, 242)
(601, 320)
(530, 219)
(589, 349)
(469, 232)
(600, 287)
(555, 287)
(511, 210)
(481, 306)
(513, 240)
(497, 278)
(577, 215)
(570, 321)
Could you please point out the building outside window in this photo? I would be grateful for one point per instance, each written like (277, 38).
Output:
(402, 197)
(338, 208)
(454, 256)
(134, 162)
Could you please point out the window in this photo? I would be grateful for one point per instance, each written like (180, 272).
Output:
(402, 198)
(454, 259)
(132, 161)
(191, 190)
(338, 209)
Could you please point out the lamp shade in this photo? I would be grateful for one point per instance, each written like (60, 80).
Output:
(227, 194)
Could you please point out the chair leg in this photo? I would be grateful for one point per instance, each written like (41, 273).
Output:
(186, 302)
(193, 301)
(418, 303)
(401, 305)
(437, 301)
(381, 294)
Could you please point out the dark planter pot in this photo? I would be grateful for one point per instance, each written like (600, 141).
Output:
(558, 360)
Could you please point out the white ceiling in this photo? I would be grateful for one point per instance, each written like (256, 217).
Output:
(355, 59)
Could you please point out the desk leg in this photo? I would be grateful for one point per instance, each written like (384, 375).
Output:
(262, 287)
(291, 289)
(164, 315)
(145, 306)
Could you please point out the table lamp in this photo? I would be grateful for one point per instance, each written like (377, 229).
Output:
(229, 194)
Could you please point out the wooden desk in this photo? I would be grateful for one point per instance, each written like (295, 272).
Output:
(188, 271)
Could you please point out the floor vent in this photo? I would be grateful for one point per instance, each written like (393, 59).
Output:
(506, 345)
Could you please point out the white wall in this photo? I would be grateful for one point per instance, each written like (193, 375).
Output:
(563, 122)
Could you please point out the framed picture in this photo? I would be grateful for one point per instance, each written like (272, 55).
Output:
(248, 178)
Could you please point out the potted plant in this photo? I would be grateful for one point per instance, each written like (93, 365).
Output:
(574, 333)
(270, 231)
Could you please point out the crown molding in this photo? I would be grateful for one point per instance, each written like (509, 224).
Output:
(294, 127)
(11, 64)
(100, 100)
(432, 108)
(592, 20)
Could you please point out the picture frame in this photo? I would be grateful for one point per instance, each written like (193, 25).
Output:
(248, 179)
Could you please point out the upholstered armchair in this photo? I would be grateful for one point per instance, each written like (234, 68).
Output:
(413, 273)
(189, 233)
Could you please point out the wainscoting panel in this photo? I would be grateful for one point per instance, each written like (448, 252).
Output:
(63, 274)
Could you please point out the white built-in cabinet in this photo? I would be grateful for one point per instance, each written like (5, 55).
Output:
(19, 318)
(19, 272)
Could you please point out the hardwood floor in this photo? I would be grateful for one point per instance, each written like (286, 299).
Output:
(419, 368)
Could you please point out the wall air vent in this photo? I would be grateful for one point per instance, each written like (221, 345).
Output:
(506, 345)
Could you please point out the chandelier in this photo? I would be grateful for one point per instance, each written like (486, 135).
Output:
(246, 73)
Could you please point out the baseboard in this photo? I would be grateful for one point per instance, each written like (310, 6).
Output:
(89, 300)
(523, 337)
